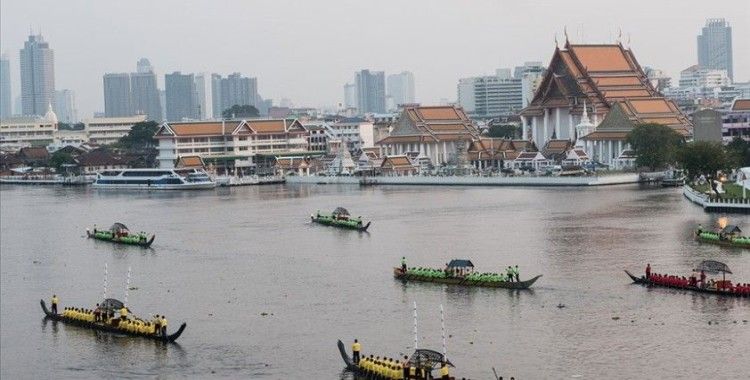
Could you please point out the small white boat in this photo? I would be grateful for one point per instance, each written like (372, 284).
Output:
(154, 179)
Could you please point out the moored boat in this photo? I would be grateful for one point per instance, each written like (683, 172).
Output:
(154, 179)
(422, 362)
(729, 236)
(721, 287)
(120, 234)
(111, 325)
(340, 218)
(461, 272)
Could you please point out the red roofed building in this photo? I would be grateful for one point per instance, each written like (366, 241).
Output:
(736, 121)
(230, 144)
(603, 78)
(436, 132)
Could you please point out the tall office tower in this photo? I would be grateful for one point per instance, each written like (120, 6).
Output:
(6, 110)
(238, 90)
(66, 106)
(370, 91)
(117, 95)
(217, 107)
(37, 76)
(531, 75)
(715, 46)
(350, 95)
(144, 91)
(203, 96)
(180, 96)
(401, 88)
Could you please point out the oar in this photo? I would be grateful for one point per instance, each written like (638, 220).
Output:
(495, 373)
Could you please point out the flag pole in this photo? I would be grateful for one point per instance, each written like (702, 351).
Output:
(105, 281)
(442, 327)
(416, 345)
(127, 287)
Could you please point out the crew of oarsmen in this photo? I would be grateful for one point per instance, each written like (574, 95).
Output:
(393, 369)
(157, 326)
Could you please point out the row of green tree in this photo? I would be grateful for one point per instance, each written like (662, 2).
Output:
(658, 146)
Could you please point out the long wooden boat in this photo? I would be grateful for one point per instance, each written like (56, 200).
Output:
(120, 234)
(334, 221)
(421, 358)
(110, 329)
(644, 281)
(400, 275)
(715, 238)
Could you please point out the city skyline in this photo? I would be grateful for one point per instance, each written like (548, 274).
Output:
(497, 45)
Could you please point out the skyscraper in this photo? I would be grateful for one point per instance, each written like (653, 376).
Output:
(370, 91)
(234, 90)
(401, 88)
(491, 96)
(144, 93)
(180, 96)
(715, 46)
(66, 106)
(117, 95)
(350, 95)
(204, 96)
(5, 95)
(37, 76)
(216, 96)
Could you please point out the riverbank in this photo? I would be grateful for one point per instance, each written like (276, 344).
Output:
(541, 181)
(734, 205)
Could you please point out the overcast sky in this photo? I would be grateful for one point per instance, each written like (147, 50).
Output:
(307, 50)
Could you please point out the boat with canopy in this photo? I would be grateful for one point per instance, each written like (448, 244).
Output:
(109, 324)
(695, 283)
(422, 360)
(341, 218)
(119, 233)
(461, 272)
(728, 236)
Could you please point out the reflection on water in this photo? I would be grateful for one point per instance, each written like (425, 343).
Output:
(266, 294)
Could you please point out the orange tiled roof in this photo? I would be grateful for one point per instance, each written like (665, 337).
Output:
(397, 162)
(201, 129)
(267, 126)
(601, 57)
(656, 105)
(617, 81)
(439, 113)
(741, 105)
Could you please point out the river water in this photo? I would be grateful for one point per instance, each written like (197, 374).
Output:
(265, 294)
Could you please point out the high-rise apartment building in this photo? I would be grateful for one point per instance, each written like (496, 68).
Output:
(401, 88)
(66, 106)
(350, 95)
(117, 95)
(491, 96)
(715, 46)
(180, 96)
(234, 90)
(696, 76)
(531, 75)
(144, 66)
(204, 96)
(6, 110)
(37, 76)
(370, 91)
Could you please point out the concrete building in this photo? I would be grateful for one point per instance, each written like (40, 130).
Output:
(66, 106)
(715, 46)
(180, 96)
(37, 76)
(608, 82)
(350, 96)
(736, 121)
(400, 89)
(317, 136)
(696, 76)
(355, 132)
(707, 125)
(231, 144)
(108, 130)
(439, 133)
(531, 75)
(6, 97)
(234, 90)
(117, 95)
(491, 96)
(204, 96)
(145, 92)
(370, 91)
(31, 130)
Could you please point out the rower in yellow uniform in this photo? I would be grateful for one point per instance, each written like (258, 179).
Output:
(444, 373)
(163, 325)
(54, 303)
(356, 347)
(124, 313)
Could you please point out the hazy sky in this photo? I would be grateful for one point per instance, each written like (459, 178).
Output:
(307, 50)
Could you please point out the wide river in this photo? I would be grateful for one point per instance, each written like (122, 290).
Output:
(265, 294)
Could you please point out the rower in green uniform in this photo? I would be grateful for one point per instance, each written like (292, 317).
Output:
(54, 303)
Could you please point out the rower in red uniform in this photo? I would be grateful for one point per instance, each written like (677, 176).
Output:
(703, 279)
(648, 270)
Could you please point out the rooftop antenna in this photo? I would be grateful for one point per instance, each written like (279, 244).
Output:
(416, 339)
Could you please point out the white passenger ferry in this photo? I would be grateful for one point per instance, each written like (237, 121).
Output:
(156, 179)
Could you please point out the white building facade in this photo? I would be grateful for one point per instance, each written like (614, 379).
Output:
(108, 130)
